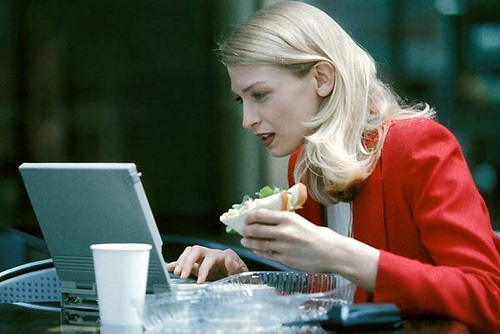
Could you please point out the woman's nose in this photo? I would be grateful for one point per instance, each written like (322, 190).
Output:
(250, 117)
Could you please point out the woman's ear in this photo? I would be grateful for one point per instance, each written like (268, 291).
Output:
(324, 74)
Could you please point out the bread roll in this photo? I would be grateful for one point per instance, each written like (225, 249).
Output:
(285, 200)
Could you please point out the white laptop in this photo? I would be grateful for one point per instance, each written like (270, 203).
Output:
(79, 204)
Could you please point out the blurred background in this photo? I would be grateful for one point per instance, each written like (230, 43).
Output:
(138, 81)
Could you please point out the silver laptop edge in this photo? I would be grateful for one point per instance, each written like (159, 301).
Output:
(79, 204)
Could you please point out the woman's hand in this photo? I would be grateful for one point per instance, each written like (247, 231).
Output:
(207, 264)
(288, 238)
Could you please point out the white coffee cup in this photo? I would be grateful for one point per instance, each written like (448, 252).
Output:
(121, 271)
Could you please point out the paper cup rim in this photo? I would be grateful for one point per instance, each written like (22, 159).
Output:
(121, 247)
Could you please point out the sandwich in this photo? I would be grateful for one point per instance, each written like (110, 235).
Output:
(269, 198)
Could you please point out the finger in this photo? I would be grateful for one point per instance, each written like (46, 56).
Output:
(267, 254)
(171, 265)
(262, 231)
(271, 225)
(180, 261)
(257, 244)
(186, 264)
(204, 269)
(263, 216)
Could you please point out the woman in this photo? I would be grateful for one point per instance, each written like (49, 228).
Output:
(421, 234)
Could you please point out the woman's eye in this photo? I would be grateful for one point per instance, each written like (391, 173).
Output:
(238, 100)
(259, 95)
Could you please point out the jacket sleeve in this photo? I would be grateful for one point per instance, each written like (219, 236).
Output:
(463, 280)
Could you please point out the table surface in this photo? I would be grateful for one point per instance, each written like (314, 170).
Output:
(21, 319)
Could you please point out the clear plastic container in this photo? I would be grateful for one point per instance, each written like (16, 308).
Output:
(251, 302)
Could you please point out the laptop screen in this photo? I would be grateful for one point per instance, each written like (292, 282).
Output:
(79, 204)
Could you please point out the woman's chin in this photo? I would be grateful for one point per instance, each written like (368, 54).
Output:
(279, 152)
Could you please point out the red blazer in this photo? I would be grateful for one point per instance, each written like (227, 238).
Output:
(421, 208)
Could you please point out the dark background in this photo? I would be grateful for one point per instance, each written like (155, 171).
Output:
(138, 81)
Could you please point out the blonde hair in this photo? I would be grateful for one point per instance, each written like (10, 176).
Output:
(347, 133)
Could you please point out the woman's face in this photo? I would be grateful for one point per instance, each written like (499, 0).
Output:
(275, 103)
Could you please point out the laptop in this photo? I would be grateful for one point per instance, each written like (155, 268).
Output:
(79, 204)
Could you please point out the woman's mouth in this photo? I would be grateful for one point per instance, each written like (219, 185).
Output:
(266, 139)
